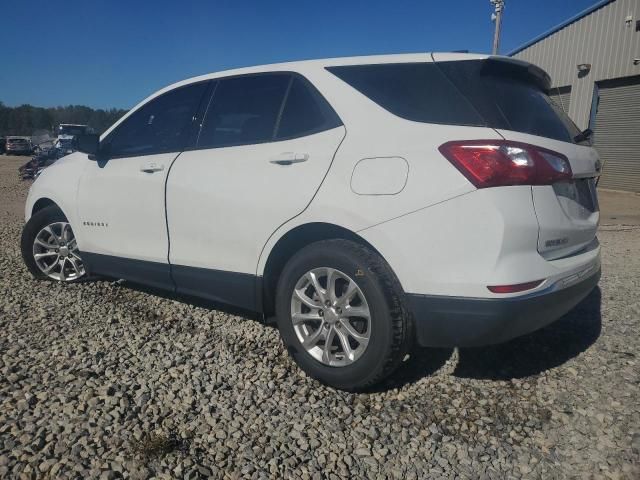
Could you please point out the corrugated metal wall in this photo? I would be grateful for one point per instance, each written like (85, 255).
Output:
(561, 96)
(604, 39)
(617, 133)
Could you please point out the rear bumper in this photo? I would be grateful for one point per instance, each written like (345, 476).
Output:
(444, 321)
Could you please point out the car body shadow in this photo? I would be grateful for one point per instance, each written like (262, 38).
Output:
(422, 362)
(536, 352)
(521, 357)
(189, 300)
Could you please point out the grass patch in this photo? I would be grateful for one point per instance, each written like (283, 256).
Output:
(154, 445)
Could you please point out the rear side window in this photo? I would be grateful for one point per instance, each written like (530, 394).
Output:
(161, 125)
(261, 108)
(415, 91)
(305, 112)
(469, 92)
(244, 110)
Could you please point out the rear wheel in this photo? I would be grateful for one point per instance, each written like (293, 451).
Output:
(49, 247)
(341, 315)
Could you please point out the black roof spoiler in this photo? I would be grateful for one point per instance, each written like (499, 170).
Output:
(505, 66)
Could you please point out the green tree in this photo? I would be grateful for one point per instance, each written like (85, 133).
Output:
(26, 119)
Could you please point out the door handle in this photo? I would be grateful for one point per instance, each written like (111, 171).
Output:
(151, 167)
(287, 158)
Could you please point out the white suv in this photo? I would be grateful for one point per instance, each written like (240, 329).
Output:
(366, 202)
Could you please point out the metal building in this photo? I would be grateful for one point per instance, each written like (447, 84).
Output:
(594, 61)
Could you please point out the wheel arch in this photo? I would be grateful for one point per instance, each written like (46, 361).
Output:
(292, 242)
(43, 202)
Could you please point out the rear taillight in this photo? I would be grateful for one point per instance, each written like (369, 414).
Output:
(496, 163)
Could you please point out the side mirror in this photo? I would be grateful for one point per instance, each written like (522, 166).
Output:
(88, 143)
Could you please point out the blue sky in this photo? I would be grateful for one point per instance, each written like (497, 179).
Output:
(112, 53)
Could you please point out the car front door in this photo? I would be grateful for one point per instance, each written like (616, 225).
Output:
(265, 145)
(123, 230)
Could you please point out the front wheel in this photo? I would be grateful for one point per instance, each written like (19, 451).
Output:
(341, 315)
(49, 247)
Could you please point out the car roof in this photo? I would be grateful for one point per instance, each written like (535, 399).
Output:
(303, 66)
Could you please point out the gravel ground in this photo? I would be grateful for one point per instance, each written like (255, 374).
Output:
(104, 380)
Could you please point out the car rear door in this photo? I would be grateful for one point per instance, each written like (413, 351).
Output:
(123, 231)
(567, 212)
(264, 148)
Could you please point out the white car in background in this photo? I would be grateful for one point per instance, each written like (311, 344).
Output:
(64, 144)
(369, 203)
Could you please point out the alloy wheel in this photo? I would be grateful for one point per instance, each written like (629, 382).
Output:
(56, 254)
(331, 317)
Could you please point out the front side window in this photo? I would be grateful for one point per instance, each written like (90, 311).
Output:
(161, 125)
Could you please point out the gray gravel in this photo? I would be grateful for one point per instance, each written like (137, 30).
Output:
(104, 380)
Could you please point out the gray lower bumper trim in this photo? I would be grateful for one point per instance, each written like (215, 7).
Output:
(443, 321)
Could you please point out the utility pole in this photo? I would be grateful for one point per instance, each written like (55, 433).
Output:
(497, 17)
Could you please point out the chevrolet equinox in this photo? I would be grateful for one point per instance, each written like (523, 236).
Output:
(367, 203)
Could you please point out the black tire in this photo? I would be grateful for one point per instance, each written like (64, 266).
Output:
(391, 324)
(39, 220)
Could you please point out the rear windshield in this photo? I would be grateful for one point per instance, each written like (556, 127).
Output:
(468, 92)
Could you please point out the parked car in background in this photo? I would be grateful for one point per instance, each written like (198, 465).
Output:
(66, 135)
(64, 144)
(73, 129)
(368, 203)
(18, 146)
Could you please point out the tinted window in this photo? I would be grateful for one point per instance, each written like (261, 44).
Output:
(162, 125)
(474, 92)
(244, 110)
(507, 98)
(305, 112)
(415, 91)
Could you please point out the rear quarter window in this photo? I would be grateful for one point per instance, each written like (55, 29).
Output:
(414, 91)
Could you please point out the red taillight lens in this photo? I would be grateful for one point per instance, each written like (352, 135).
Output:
(495, 163)
(520, 287)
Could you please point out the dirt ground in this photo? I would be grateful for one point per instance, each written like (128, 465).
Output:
(11, 193)
(619, 208)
